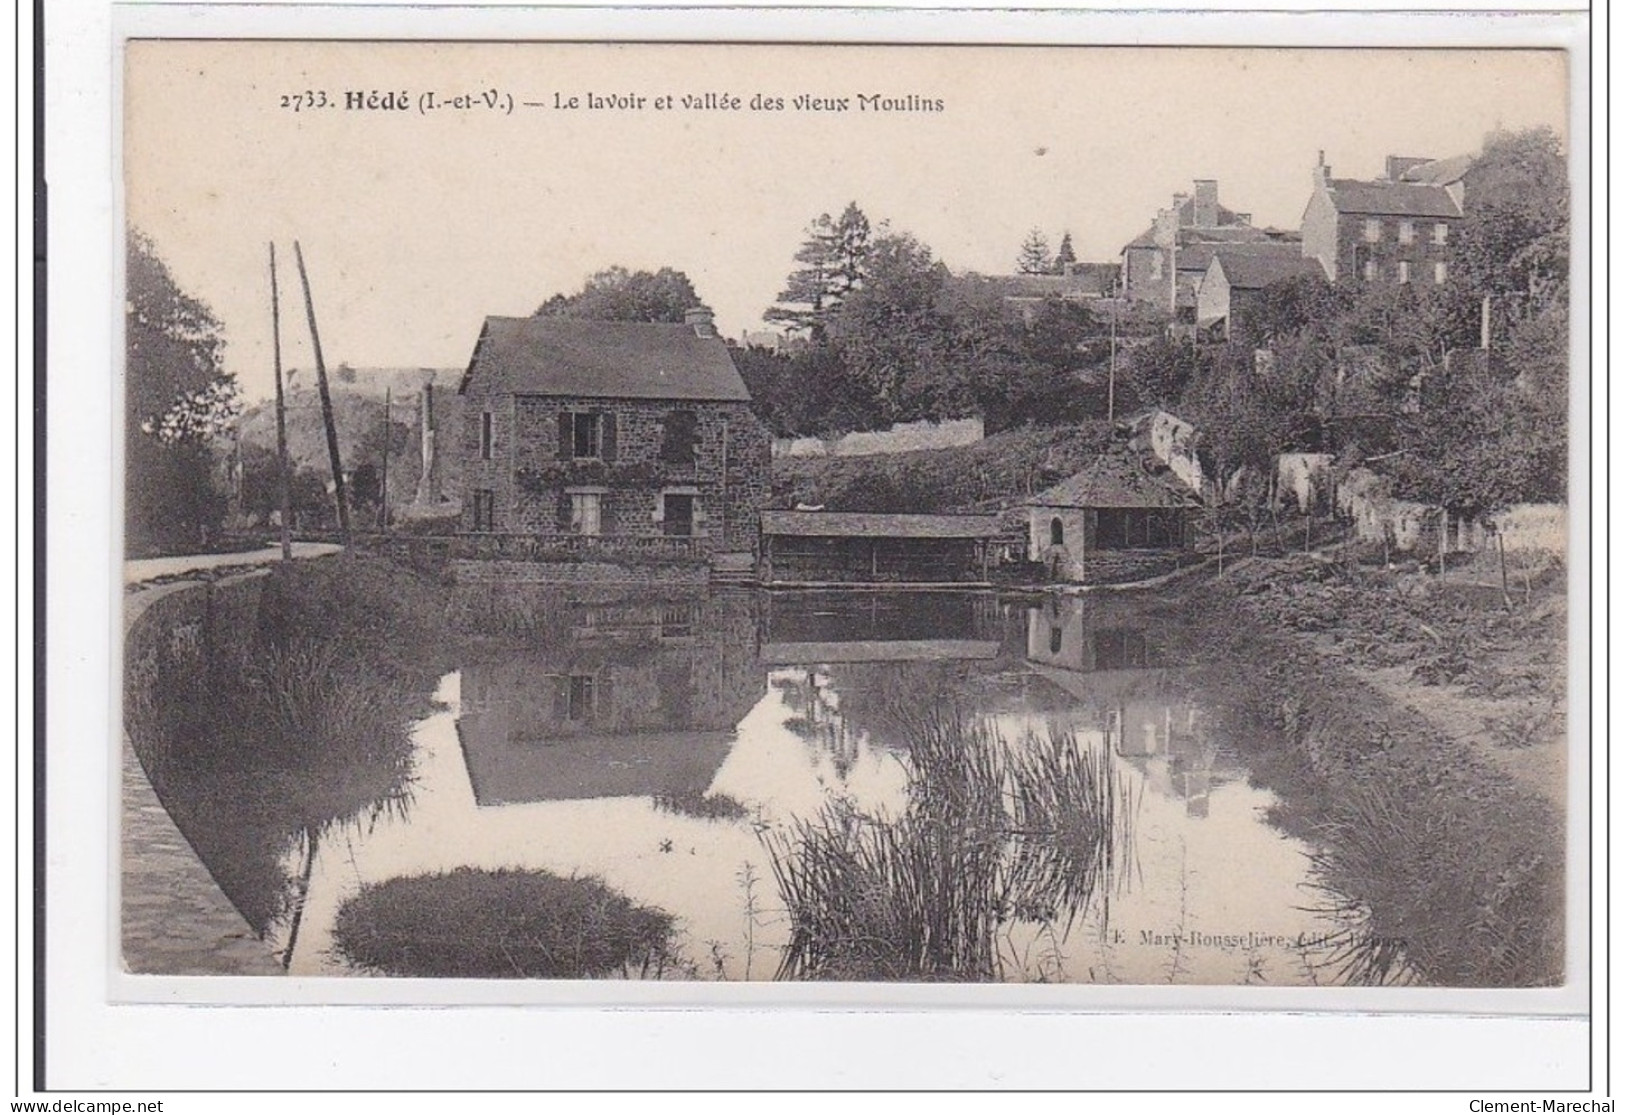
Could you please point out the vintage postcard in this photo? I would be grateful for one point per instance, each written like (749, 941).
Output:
(709, 514)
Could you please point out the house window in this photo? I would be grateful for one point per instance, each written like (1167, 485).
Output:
(1373, 230)
(1441, 272)
(586, 513)
(1441, 232)
(1404, 271)
(1407, 232)
(677, 514)
(1370, 270)
(485, 436)
(1055, 636)
(586, 436)
(1156, 265)
(484, 510)
(679, 443)
(1057, 532)
(583, 697)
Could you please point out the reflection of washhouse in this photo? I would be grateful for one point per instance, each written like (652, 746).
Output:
(637, 699)
(849, 660)
(1102, 652)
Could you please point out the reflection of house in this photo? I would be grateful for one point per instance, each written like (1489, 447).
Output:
(860, 547)
(1101, 654)
(1163, 265)
(1124, 517)
(604, 437)
(1232, 287)
(821, 628)
(1393, 229)
(631, 699)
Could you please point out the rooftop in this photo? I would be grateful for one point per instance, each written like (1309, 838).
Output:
(603, 359)
(866, 524)
(1252, 271)
(1117, 479)
(1392, 199)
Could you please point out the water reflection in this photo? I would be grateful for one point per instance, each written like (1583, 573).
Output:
(667, 747)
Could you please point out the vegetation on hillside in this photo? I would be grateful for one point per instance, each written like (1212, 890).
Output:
(993, 474)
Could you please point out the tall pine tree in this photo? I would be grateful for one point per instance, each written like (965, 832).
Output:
(1034, 258)
(833, 258)
(1065, 257)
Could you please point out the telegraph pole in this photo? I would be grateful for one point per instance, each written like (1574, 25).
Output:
(383, 482)
(284, 483)
(327, 404)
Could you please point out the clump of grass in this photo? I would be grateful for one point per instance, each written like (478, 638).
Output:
(990, 837)
(472, 923)
(705, 807)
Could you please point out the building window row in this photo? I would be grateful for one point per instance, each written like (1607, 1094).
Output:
(1372, 231)
(1371, 272)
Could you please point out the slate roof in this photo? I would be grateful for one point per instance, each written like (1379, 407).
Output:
(1439, 172)
(1117, 480)
(1392, 199)
(1198, 256)
(1248, 271)
(602, 359)
(866, 524)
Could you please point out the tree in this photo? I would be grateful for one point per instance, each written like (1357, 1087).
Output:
(617, 294)
(178, 400)
(896, 339)
(1514, 234)
(1034, 258)
(833, 259)
(1065, 257)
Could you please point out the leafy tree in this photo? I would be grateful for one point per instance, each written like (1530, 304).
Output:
(833, 259)
(178, 399)
(1513, 238)
(896, 339)
(1035, 258)
(617, 294)
(1065, 257)
(1156, 372)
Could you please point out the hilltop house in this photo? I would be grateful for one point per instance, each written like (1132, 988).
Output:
(1163, 265)
(612, 439)
(1234, 282)
(1393, 229)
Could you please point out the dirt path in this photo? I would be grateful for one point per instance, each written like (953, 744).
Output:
(153, 569)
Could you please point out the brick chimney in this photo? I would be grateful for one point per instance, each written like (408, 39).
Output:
(1323, 173)
(701, 320)
(1397, 165)
(1206, 205)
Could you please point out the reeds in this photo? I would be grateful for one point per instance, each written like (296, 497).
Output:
(992, 835)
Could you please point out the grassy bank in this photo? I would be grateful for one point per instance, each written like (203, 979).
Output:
(1441, 865)
(994, 474)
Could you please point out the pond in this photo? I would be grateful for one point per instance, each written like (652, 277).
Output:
(749, 786)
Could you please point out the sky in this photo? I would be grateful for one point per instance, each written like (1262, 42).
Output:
(417, 224)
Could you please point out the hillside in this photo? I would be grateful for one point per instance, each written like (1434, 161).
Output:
(997, 473)
(358, 414)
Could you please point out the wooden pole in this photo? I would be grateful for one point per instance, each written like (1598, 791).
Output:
(339, 494)
(1506, 596)
(383, 483)
(284, 481)
(1444, 525)
(1111, 375)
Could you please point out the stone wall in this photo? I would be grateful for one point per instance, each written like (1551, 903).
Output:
(583, 573)
(906, 437)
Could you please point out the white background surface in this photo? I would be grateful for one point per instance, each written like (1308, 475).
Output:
(93, 1043)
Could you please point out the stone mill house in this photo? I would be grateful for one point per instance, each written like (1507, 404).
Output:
(611, 441)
